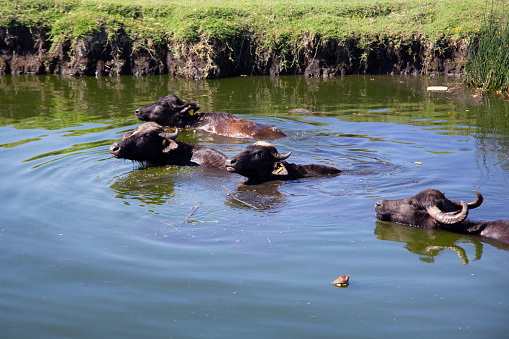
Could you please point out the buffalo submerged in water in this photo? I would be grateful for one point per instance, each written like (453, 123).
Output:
(171, 111)
(151, 143)
(261, 162)
(431, 209)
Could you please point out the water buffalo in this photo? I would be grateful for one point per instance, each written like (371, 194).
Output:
(174, 112)
(151, 143)
(261, 162)
(431, 209)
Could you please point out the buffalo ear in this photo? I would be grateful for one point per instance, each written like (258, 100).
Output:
(169, 145)
(279, 169)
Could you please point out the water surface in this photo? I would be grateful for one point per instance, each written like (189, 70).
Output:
(92, 246)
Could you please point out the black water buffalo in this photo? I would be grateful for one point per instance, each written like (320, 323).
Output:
(431, 209)
(173, 112)
(261, 162)
(151, 143)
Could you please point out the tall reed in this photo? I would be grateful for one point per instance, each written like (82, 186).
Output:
(487, 67)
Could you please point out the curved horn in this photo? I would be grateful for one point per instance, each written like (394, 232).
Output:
(169, 135)
(446, 218)
(477, 202)
(473, 204)
(281, 156)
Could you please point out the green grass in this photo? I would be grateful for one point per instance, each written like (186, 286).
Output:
(281, 27)
(272, 20)
(488, 64)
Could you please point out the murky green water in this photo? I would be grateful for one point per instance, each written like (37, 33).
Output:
(95, 247)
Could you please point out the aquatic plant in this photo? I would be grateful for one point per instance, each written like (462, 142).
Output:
(487, 67)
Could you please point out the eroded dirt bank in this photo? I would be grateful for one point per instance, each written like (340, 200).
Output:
(26, 50)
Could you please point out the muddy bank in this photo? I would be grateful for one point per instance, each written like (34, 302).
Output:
(28, 50)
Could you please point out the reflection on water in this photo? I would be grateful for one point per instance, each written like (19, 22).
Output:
(428, 243)
(264, 196)
(492, 135)
(50, 102)
(149, 186)
(152, 185)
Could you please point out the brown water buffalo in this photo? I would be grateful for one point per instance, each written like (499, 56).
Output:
(173, 112)
(151, 143)
(261, 162)
(431, 209)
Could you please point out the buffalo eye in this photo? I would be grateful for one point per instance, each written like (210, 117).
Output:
(413, 205)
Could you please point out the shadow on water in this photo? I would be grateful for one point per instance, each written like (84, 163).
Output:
(429, 243)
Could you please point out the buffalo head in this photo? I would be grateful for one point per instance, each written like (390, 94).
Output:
(148, 142)
(167, 110)
(259, 162)
(428, 209)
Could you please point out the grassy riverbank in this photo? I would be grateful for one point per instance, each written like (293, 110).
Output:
(271, 19)
(213, 35)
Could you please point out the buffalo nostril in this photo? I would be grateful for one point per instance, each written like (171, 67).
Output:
(378, 203)
(114, 148)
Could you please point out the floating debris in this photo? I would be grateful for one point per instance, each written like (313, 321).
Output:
(342, 281)
(438, 88)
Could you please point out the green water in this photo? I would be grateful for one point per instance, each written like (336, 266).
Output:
(92, 246)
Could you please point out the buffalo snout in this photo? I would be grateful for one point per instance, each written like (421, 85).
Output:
(230, 164)
(380, 211)
(379, 205)
(139, 114)
(115, 150)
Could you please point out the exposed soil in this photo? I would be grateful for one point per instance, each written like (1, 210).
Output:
(26, 50)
